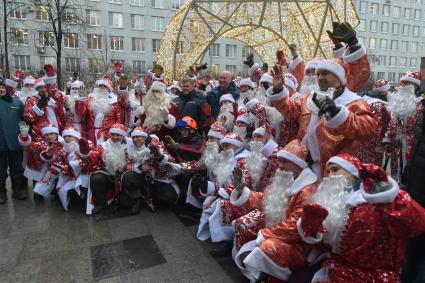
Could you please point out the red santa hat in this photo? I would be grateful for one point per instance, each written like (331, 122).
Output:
(49, 129)
(244, 117)
(77, 84)
(291, 81)
(227, 97)
(11, 83)
(381, 85)
(217, 131)
(334, 67)
(38, 83)
(296, 152)
(29, 80)
(266, 78)
(71, 131)
(246, 82)
(348, 162)
(233, 139)
(118, 129)
(376, 186)
(139, 132)
(50, 77)
(106, 82)
(413, 77)
(312, 65)
(158, 85)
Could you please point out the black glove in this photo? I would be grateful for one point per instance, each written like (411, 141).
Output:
(199, 183)
(202, 67)
(249, 60)
(42, 102)
(326, 106)
(343, 32)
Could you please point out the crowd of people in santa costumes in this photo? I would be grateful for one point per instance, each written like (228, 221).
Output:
(293, 168)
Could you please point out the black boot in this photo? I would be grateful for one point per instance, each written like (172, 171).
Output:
(199, 183)
(137, 205)
(38, 197)
(20, 188)
(223, 249)
(98, 209)
(3, 196)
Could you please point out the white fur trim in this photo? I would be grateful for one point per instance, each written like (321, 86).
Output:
(11, 83)
(49, 80)
(339, 53)
(236, 143)
(266, 78)
(294, 63)
(247, 82)
(171, 122)
(338, 119)
(309, 240)
(334, 68)
(350, 58)
(344, 164)
(227, 97)
(105, 83)
(411, 80)
(122, 91)
(241, 199)
(382, 197)
(252, 103)
(215, 134)
(138, 133)
(140, 110)
(29, 81)
(254, 67)
(118, 132)
(49, 130)
(290, 84)
(76, 84)
(311, 65)
(293, 158)
(244, 119)
(210, 189)
(157, 85)
(83, 155)
(24, 142)
(259, 131)
(71, 133)
(260, 238)
(382, 88)
(38, 83)
(45, 159)
(37, 110)
(306, 178)
(223, 193)
(278, 96)
(269, 148)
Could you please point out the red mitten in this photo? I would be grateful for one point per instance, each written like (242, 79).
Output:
(84, 146)
(312, 219)
(280, 56)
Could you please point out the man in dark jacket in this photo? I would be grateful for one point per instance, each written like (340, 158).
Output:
(226, 85)
(191, 102)
(414, 271)
(11, 113)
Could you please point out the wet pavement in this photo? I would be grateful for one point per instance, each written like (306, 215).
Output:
(39, 242)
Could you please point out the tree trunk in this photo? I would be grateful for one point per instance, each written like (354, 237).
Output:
(59, 46)
(6, 71)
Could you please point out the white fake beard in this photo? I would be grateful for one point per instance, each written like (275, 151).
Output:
(225, 111)
(241, 131)
(403, 102)
(100, 101)
(309, 85)
(274, 116)
(210, 156)
(71, 103)
(113, 157)
(139, 154)
(26, 93)
(134, 101)
(255, 161)
(71, 147)
(276, 197)
(332, 194)
(152, 102)
(225, 167)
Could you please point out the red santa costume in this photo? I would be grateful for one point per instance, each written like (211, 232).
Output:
(296, 68)
(27, 89)
(228, 111)
(101, 109)
(130, 107)
(53, 113)
(75, 120)
(278, 249)
(346, 131)
(405, 107)
(217, 216)
(158, 114)
(365, 227)
(372, 150)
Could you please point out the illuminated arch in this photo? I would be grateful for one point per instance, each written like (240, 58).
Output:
(263, 25)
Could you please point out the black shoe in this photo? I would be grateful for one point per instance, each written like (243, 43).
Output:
(97, 209)
(38, 197)
(3, 197)
(223, 249)
(20, 194)
(137, 205)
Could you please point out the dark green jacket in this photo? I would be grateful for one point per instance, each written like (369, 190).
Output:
(11, 113)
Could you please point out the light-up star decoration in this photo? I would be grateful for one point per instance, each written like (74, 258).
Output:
(264, 26)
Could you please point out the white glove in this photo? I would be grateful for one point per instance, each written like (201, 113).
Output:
(24, 129)
(164, 113)
(140, 110)
(46, 177)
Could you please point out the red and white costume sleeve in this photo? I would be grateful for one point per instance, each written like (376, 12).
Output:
(98, 123)
(296, 68)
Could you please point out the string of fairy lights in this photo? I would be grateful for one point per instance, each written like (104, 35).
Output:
(264, 26)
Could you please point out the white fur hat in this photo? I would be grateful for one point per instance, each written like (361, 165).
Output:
(29, 80)
(139, 132)
(348, 162)
(334, 68)
(77, 84)
(247, 82)
(38, 83)
(118, 129)
(261, 131)
(50, 129)
(233, 139)
(227, 97)
(266, 78)
(311, 65)
(71, 131)
(157, 85)
(11, 83)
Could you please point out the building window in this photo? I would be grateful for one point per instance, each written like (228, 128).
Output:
(19, 36)
(93, 18)
(413, 62)
(415, 31)
(138, 44)
(137, 2)
(41, 13)
(117, 43)
(374, 8)
(158, 4)
(231, 68)
(70, 15)
(391, 77)
(383, 44)
(396, 12)
(158, 24)
(386, 10)
(177, 4)
(406, 29)
(380, 76)
(404, 46)
(373, 25)
(22, 62)
(413, 46)
(372, 43)
(362, 25)
(115, 20)
(17, 10)
(71, 40)
(231, 50)
(155, 45)
(136, 21)
(95, 65)
(94, 42)
(384, 27)
(403, 61)
(215, 50)
(382, 60)
(246, 51)
(363, 7)
(417, 14)
(407, 13)
(139, 66)
(179, 47)
(72, 65)
(395, 28)
(46, 38)
(115, 1)
(392, 61)
(394, 44)
(44, 60)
